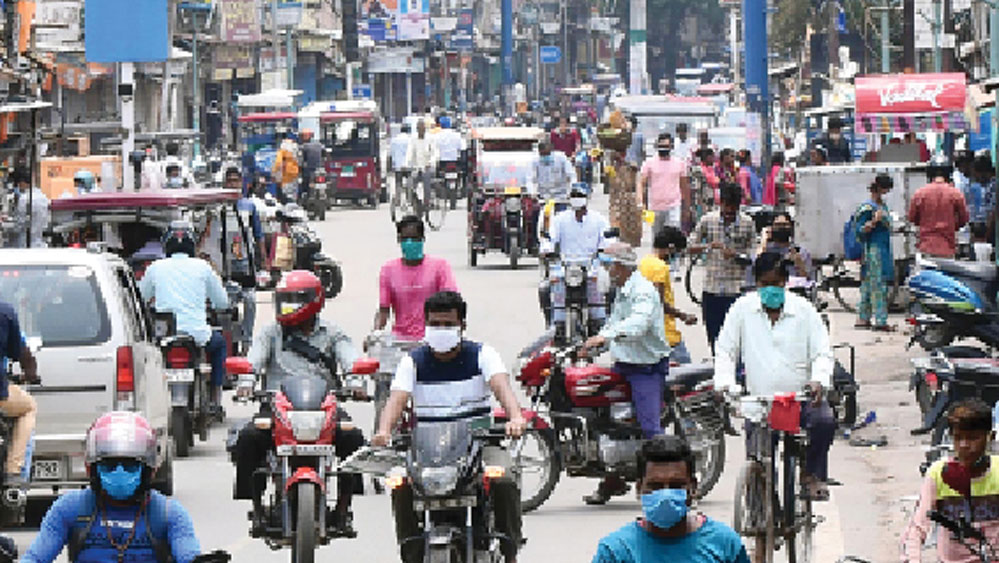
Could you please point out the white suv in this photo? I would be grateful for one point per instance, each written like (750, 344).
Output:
(97, 355)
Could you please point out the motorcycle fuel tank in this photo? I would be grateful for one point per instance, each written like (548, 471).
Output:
(596, 386)
(933, 284)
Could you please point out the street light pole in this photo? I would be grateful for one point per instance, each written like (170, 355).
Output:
(274, 37)
(885, 40)
(937, 26)
(195, 84)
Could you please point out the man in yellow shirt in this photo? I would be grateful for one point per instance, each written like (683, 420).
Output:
(655, 268)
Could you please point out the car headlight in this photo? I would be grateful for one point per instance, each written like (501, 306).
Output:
(438, 481)
(575, 276)
(512, 204)
(307, 425)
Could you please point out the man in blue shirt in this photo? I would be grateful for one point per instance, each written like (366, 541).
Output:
(14, 400)
(247, 253)
(667, 531)
(181, 284)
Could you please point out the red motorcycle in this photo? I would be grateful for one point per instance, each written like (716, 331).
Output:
(302, 417)
(594, 431)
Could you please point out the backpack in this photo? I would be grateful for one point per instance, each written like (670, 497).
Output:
(157, 520)
(852, 248)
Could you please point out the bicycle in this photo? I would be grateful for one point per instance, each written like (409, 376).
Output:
(434, 205)
(404, 200)
(759, 514)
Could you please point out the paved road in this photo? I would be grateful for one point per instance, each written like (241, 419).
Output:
(502, 311)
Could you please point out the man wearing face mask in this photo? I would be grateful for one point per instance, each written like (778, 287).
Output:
(554, 174)
(636, 334)
(578, 234)
(118, 517)
(781, 340)
(667, 531)
(836, 145)
(664, 187)
(779, 238)
(450, 378)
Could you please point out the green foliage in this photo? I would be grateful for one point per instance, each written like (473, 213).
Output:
(790, 24)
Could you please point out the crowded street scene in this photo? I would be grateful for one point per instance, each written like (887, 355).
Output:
(499, 281)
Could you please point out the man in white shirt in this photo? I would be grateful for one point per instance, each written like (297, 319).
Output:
(398, 153)
(554, 174)
(781, 340)
(449, 145)
(683, 145)
(421, 158)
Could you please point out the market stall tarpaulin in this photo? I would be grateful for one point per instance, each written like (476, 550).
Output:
(899, 103)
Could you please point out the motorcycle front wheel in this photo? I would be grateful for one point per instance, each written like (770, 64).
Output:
(304, 548)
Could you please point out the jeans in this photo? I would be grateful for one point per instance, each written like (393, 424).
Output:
(216, 351)
(646, 382)
(251, 453)
(249, 314)
(503, 494)
(820, 424)
(714, 307)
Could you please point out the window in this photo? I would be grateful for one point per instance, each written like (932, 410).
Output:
(61, 304)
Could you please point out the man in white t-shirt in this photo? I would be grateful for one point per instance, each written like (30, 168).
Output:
(450, 379)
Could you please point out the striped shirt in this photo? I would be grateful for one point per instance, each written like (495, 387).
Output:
(449, 390)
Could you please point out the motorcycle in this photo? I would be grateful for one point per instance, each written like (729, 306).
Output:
(14, 497)
(302, 417)
(571, 287)
(443, 462)
(594, 430)
(308, 250)
(954, 299)
(188, 377)
(317, 197)
(450, 174)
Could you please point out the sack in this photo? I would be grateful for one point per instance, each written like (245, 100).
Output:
(852, 248)
(785, 414)
(284, 252)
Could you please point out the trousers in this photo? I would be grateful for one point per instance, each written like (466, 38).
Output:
(21, 405)
(216, 351)
(714, 307)
(646, 382)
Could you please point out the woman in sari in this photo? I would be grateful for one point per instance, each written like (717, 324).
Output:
(872, 224)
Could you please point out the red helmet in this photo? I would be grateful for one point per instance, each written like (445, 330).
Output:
(298, 297)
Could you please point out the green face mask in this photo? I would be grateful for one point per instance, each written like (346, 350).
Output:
(412, 249)
(771, 296)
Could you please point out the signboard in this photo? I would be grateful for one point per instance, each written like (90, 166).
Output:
(267, 59)
(463, 38)
(550, 28)
(315, 43)
(361, 91)
(66, 14)
(923, 26)
(126, 31)
(413, 20)
(240, 22)
(289, 14)
(397, 60)
(233, 56)
(911, 93)
(376, 19)
(549, 54)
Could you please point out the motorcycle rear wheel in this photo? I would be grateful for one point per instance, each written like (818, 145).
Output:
(304, 548)
(180, 423)
(710, 460)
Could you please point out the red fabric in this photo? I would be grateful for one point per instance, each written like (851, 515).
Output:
(567, 143)
(939, 210)
(785, 414)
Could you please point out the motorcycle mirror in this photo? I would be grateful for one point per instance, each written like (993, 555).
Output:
(612, 232)
(363, 366)
(238, 366)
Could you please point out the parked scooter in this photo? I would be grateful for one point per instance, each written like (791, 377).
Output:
(954, 299)
(302, 417)
(307, 251)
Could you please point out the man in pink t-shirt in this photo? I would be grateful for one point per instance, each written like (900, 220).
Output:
(663, 185)
(405, 283)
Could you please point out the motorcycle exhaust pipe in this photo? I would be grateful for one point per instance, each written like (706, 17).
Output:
(15, 497)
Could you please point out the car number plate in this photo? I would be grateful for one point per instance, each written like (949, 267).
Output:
(306, 449)
(347, 171)
(451, 175)
(182, 375)
(47, 469)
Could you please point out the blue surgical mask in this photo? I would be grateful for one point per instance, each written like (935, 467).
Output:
(120, 483)
(772, 296)
(665, 508)
(412, 249)
(547, 159)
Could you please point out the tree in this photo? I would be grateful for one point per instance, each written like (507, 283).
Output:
(790, 25)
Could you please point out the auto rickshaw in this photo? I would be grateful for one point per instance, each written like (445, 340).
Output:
(261, 134)
(502, 211)
(350, 134)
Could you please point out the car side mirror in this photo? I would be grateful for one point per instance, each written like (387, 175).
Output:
(238, 366)
(365, 366)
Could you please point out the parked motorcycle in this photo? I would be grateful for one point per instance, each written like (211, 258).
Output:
(308, 249)
(954, 299)
(594, 430)
(298, 509)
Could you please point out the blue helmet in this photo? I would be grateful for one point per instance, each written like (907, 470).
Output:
(84, 181)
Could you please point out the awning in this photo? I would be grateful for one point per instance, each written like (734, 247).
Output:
(890, 103)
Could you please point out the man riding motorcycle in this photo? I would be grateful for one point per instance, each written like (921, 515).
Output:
(449, 147)
(299, 343)
(554, 174)
(118, 517)
(14, 400)
(450, 378)
(312, 160)
(577, 234)
(181, 284)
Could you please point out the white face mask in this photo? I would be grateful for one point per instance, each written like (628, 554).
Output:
(577, 202)
(442, 339)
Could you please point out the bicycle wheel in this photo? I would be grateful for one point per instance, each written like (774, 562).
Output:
(796, 513)
(435, 208)
(693, 280)
(748, 518)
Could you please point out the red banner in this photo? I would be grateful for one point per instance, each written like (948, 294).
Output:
(911, 93)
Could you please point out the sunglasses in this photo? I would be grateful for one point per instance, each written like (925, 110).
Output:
(129, 465)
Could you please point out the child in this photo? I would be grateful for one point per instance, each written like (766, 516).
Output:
(655, 267)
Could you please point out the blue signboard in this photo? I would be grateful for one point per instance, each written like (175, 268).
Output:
(361, 91)
(550, 54)
(463, 36)
(982, 140)
(126, 31)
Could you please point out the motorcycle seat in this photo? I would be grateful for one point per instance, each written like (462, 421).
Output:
(978, 270)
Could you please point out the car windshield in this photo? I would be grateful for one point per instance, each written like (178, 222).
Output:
(349, 137)
(60, 304)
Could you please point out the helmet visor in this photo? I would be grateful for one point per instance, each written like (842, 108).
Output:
(290, 302)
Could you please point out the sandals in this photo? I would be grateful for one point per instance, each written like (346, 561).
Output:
(884, 328)
(815, 489)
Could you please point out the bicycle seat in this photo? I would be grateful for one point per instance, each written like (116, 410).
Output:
(978, 270)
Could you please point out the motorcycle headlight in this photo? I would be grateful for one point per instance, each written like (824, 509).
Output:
(575, 276)
(438, 481)
(307, 425)
(512, 204)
